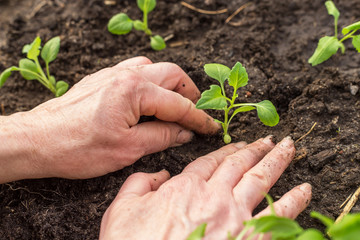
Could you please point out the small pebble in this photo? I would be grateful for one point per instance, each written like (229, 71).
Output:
(354, 89)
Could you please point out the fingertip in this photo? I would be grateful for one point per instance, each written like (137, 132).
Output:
(183, 137)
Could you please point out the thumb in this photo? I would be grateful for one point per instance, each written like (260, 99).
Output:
(156, 136)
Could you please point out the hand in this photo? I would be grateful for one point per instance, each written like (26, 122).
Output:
(93, 129)
(221, 189)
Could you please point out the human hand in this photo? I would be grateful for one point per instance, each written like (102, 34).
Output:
(93, 129)
(221, 189)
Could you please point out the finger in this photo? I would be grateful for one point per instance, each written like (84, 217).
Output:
(263, 175)
(138, 184)
(172, 107)
(236, 165)
(131, 62)
(292, 203)
(170, 76)
(156, 136)
(205, 166)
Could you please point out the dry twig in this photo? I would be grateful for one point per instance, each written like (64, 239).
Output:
(306, 133)
(203, 11)
(237, 11)
(349, 205)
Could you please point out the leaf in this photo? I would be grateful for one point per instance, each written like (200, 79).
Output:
(332, 10)
(347, 228)
(30, 66)
(61, 88)
(356, 42)
(327, 47)
(217, 71)
(328, 222)
(6, 74)
(139, 25)
(238, 76)
(52, 80)
(157, 43)
(351, 27)
(243, 109)
(120, 24)
(146, 5)
(212, 99)
(26, 48)
(51, 49)
(267, 113)
(34, 50)
(198, 233)
(312, 234)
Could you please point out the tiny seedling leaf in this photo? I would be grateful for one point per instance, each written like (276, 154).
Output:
(6, 74)
(328, 222)
(120, 24)
(311, 234)
(61, 88)
(217, 71)
(146, 5)
(351, 27)
(157, 43)
(51, 49)
(28, 69)
(238, 76)
(327, 47)
(34, 50)
(347, 228)
(52, 80)
(212, 99)
(267, 113)
(198, 233)
(139, 25)
(26, 48)
(332, 10)
(356, 42)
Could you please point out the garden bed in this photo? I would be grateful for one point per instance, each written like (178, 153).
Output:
(273, 39)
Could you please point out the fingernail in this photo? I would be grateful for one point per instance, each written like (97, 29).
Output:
(184, 136)
(240, 144)
(305, 187)
(269, 140)
(287, 142)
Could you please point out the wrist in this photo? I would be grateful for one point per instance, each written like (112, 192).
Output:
(19, 154)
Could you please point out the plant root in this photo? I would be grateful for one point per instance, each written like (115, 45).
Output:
(312, 128)
(349, 205)
(202, 10)
(237, 12)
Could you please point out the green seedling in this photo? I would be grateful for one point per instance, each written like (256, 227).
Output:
(121, 24)
(329, 45)
(31, 69)
(216, 98)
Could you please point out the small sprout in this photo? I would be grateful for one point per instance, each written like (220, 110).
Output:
(121, 24)
(329, 45)
(30, 68)
(198, 233)
(216, 98)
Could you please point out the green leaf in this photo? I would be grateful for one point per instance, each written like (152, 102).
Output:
(146, 5)
(351, 27)
(61, 88)
(6, 74)
(139, 25)
(332, 10)
(328, 222)
(26, 48)
(243, 109)
(198, 233)
(52, 80)
(217, 71)
(311, 234)
(120, 24)
(157, 43)
(51, 49)
(238, 76)
(30, 66)
(34, 50)
(356, 42)
(212, 99)
(327, 47)
(267, 113)
(347, 228)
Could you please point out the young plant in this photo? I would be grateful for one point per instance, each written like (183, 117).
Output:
(216, 98)
(30, 67)
(329, 45)
(121, 24)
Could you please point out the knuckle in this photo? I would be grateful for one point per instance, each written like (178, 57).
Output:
(259, 178)
(144, 60)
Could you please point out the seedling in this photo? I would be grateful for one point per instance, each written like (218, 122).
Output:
(30, 67)
(216, 98)
(121, 24)
(329, 45)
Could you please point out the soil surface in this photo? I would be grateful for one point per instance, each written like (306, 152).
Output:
(273, 39)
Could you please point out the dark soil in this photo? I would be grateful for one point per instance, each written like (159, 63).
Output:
(273, 40)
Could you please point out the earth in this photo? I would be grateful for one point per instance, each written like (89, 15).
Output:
(272, 39)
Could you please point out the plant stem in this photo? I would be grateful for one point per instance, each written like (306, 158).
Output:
(145, 18)
(39, 77)
(348, 36)
(336, 27)
(47, 70)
